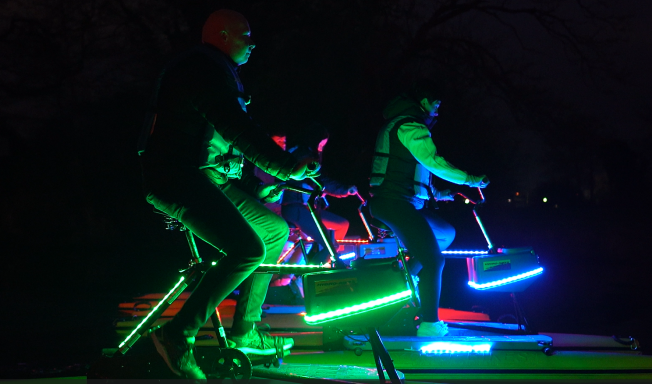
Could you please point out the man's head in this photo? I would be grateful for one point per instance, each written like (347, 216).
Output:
(229, 32)
(427, 94)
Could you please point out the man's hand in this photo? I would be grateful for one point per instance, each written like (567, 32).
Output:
(477, 181)
(445, 195)
(269, 193)
(308, 167)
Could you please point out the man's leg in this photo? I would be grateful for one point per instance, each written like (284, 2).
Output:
(273, 231)
(412, 228)
(202, 207)
(443, 230)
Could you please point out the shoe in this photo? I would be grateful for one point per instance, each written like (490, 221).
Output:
(178, 354)
(437, 329)
(257, 342)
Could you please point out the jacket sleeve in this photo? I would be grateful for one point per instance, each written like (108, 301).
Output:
(416, 138)
(216, 99)
(248, 182)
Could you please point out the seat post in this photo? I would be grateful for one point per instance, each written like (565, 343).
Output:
(215, 316)
(193, 246)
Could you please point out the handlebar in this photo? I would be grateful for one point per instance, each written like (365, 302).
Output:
(482, 198)
(477, 217)
(314, 193)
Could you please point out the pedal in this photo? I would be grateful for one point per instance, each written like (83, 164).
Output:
(267, 360)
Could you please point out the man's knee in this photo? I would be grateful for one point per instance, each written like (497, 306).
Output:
(251, 250)
(278, 230)
(450, 236)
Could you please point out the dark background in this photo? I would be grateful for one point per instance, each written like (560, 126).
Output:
(549, 99)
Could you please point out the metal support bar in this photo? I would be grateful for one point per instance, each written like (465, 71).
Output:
(193, 247)
(382, 357)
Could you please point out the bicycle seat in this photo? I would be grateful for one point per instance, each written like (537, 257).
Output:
(171, 223)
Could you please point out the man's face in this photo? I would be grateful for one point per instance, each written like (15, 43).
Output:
(431, 107)
(239, 43)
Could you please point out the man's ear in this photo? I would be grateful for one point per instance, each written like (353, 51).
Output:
(224, 35)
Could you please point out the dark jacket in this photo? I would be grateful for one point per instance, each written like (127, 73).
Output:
(406, 156)
(399, 176)
(201, 95)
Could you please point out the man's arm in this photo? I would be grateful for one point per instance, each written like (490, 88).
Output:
(216, 100)
(416, 138)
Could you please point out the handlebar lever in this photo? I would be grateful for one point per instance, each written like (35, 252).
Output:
(474, 202)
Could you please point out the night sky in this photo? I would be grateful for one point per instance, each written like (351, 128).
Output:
(554, 106)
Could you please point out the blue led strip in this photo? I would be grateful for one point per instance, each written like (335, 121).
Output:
(507, 280)
(347, 256)
(440, 347)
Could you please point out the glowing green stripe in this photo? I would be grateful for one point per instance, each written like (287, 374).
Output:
(359, 308)
(290, 266)
(150, 313)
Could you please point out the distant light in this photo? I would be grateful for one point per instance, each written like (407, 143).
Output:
(466, 201)
(507, 280)
(517, 193)
(509, 200)
(545, 199)
(213, 262)
(556, 206)
(440, 347)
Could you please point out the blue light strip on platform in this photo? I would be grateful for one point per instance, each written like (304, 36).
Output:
(507, 280)
(440, 347)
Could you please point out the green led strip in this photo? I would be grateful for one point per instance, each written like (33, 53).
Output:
(358, 308)
(135, 331)
(290, 266)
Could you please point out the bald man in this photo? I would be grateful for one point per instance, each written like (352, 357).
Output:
(192, 170)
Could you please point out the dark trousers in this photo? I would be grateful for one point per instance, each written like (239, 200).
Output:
(230, 220)
(425, 235)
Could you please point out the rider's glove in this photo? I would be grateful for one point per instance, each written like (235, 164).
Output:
(269, 193)
(476, 181)
(307, 167)
(445, 195)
